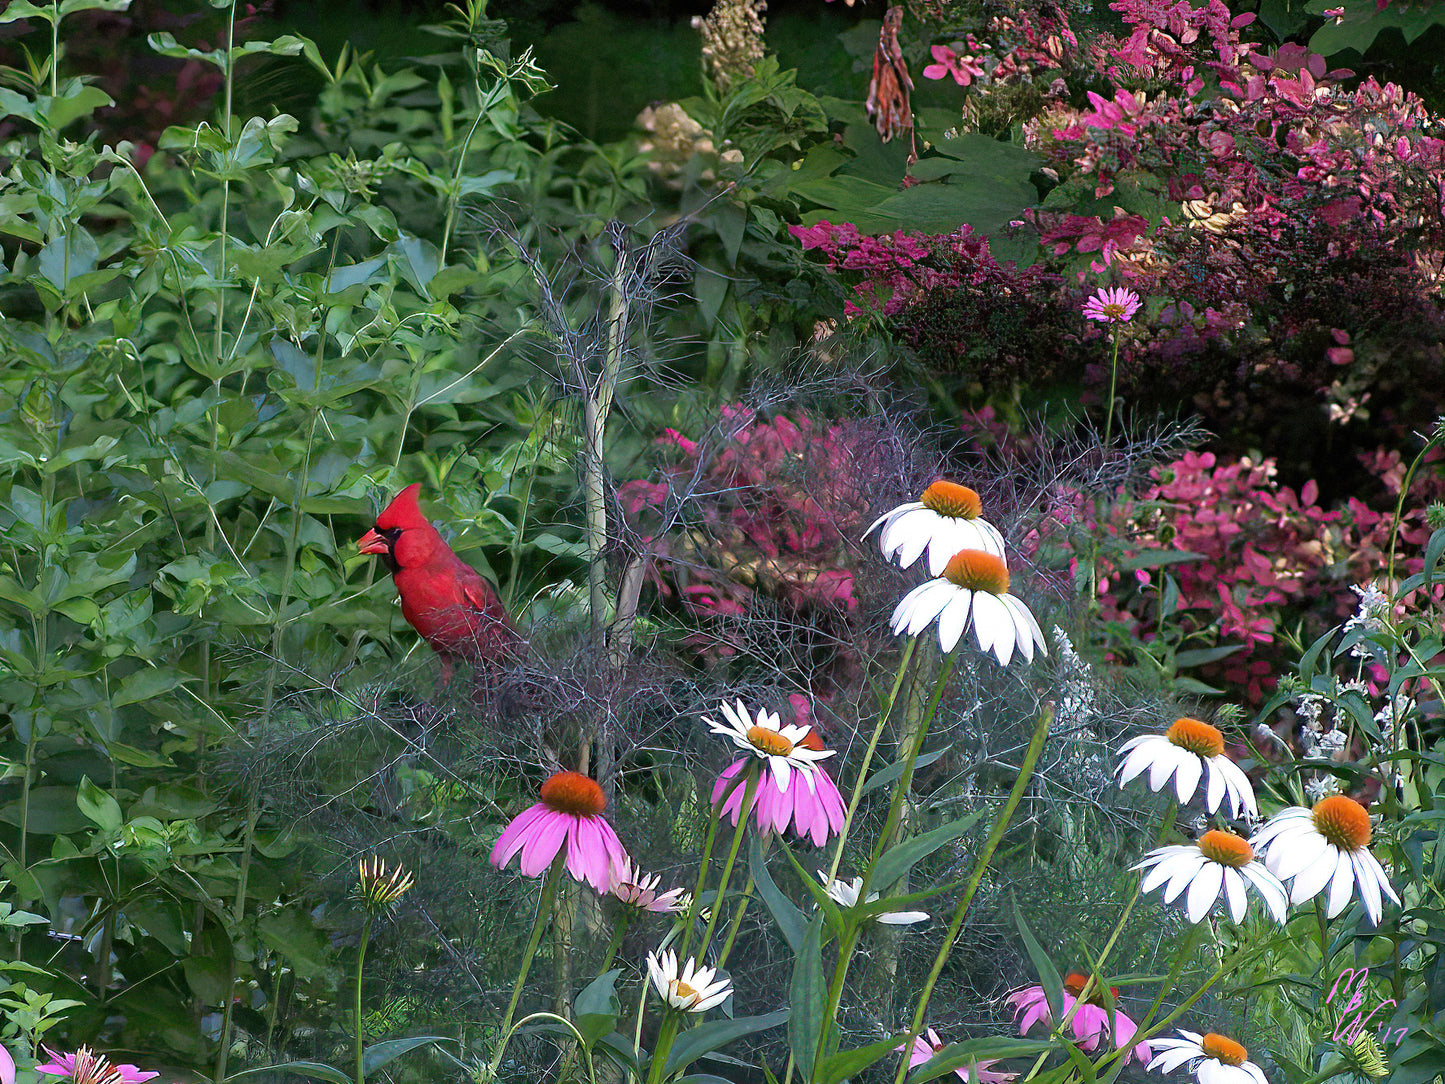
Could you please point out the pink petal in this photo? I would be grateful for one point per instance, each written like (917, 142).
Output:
(543, 843)
(508, 844)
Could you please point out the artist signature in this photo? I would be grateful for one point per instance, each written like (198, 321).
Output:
(1352, 985)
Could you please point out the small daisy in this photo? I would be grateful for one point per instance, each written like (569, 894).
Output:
(1115, 306)
(1214, 1059)
(1189, 750)
(1326, 847)
(636, 889)
(569, 815)
(845, 894)
(1090, 1023)
(87, 1067)
(929, 1044)
(973, 590)
(945, 519)
(782, 748)
(694, 990)
(1217, 861)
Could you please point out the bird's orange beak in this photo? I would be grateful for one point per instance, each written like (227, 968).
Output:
(371, 542)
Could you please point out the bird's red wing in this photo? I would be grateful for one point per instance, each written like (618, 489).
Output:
(495, 627)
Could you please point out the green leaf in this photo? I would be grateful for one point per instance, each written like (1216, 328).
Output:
(291, 933)
(146, 684)
(52, 811)
(99, 806)
(59, 112)
(705, 1038)
(808, 997)
(317, 1069)
(597, 1007)
(900, 858)
(23, 9)
(209, 978)
(894, 772)
(378, 1054)
(1200, 656)
(67, 257)
(849, 1063)
(1049, 977)
(957, 1056)
(1157, 559)
(790, 920)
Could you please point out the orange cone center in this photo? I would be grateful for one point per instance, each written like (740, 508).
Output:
(1226, 848)
(954, 501)
(1222, 1048)
(1343, 821)
(571, 792)
(1075, 981)
(769, 741)
(1199, 738)
(976, 570)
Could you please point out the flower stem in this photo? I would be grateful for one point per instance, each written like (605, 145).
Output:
(754, 777)
(1113, 383)
(618, 932)
(666, 1034)
(544, 912)
(742, 908)
(360, 1072)
(985, 856)
(714, 816)
(848, 940)
(884, 712)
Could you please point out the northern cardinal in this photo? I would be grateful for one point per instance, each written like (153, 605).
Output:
(443, 598)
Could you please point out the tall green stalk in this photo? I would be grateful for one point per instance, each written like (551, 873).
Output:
(985, 856)
(544, 913)
(359, 1075)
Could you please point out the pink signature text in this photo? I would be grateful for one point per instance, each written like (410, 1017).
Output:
(1352, 986)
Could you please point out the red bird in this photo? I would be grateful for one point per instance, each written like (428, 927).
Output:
(443, 598)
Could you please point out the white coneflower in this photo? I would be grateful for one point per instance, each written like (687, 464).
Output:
(1189, 750)
(1213, 1058)
(1327, 847)
(972, 592)
(779, 746)
(1217, 862)
(691, 990)
(945, 519)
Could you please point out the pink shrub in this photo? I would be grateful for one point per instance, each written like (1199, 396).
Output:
(754, 529)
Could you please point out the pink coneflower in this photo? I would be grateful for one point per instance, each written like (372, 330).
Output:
(1090, 1023)
(87, 1067)
(793, 787)
(928, 1044)
(570, 815)
(1112, 306)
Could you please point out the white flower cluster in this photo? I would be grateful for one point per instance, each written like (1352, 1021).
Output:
(1369, 616)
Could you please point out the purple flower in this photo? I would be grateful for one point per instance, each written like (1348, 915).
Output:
(1112, 306)
(86, 1067)
(964, 69)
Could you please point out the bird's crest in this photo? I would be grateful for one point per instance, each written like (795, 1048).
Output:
(404, 511)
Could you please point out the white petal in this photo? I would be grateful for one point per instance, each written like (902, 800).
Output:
(1295, 852)
(954, 619)
(1275, 897)
(1369, 886)
(1342, 887)
(1204, 890)
(1234, 894)
(993, 627)
(1186, 869)
(1239, 784)
(1187, 777)
(1166, 763)
(929, 602)
(1310, 881)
